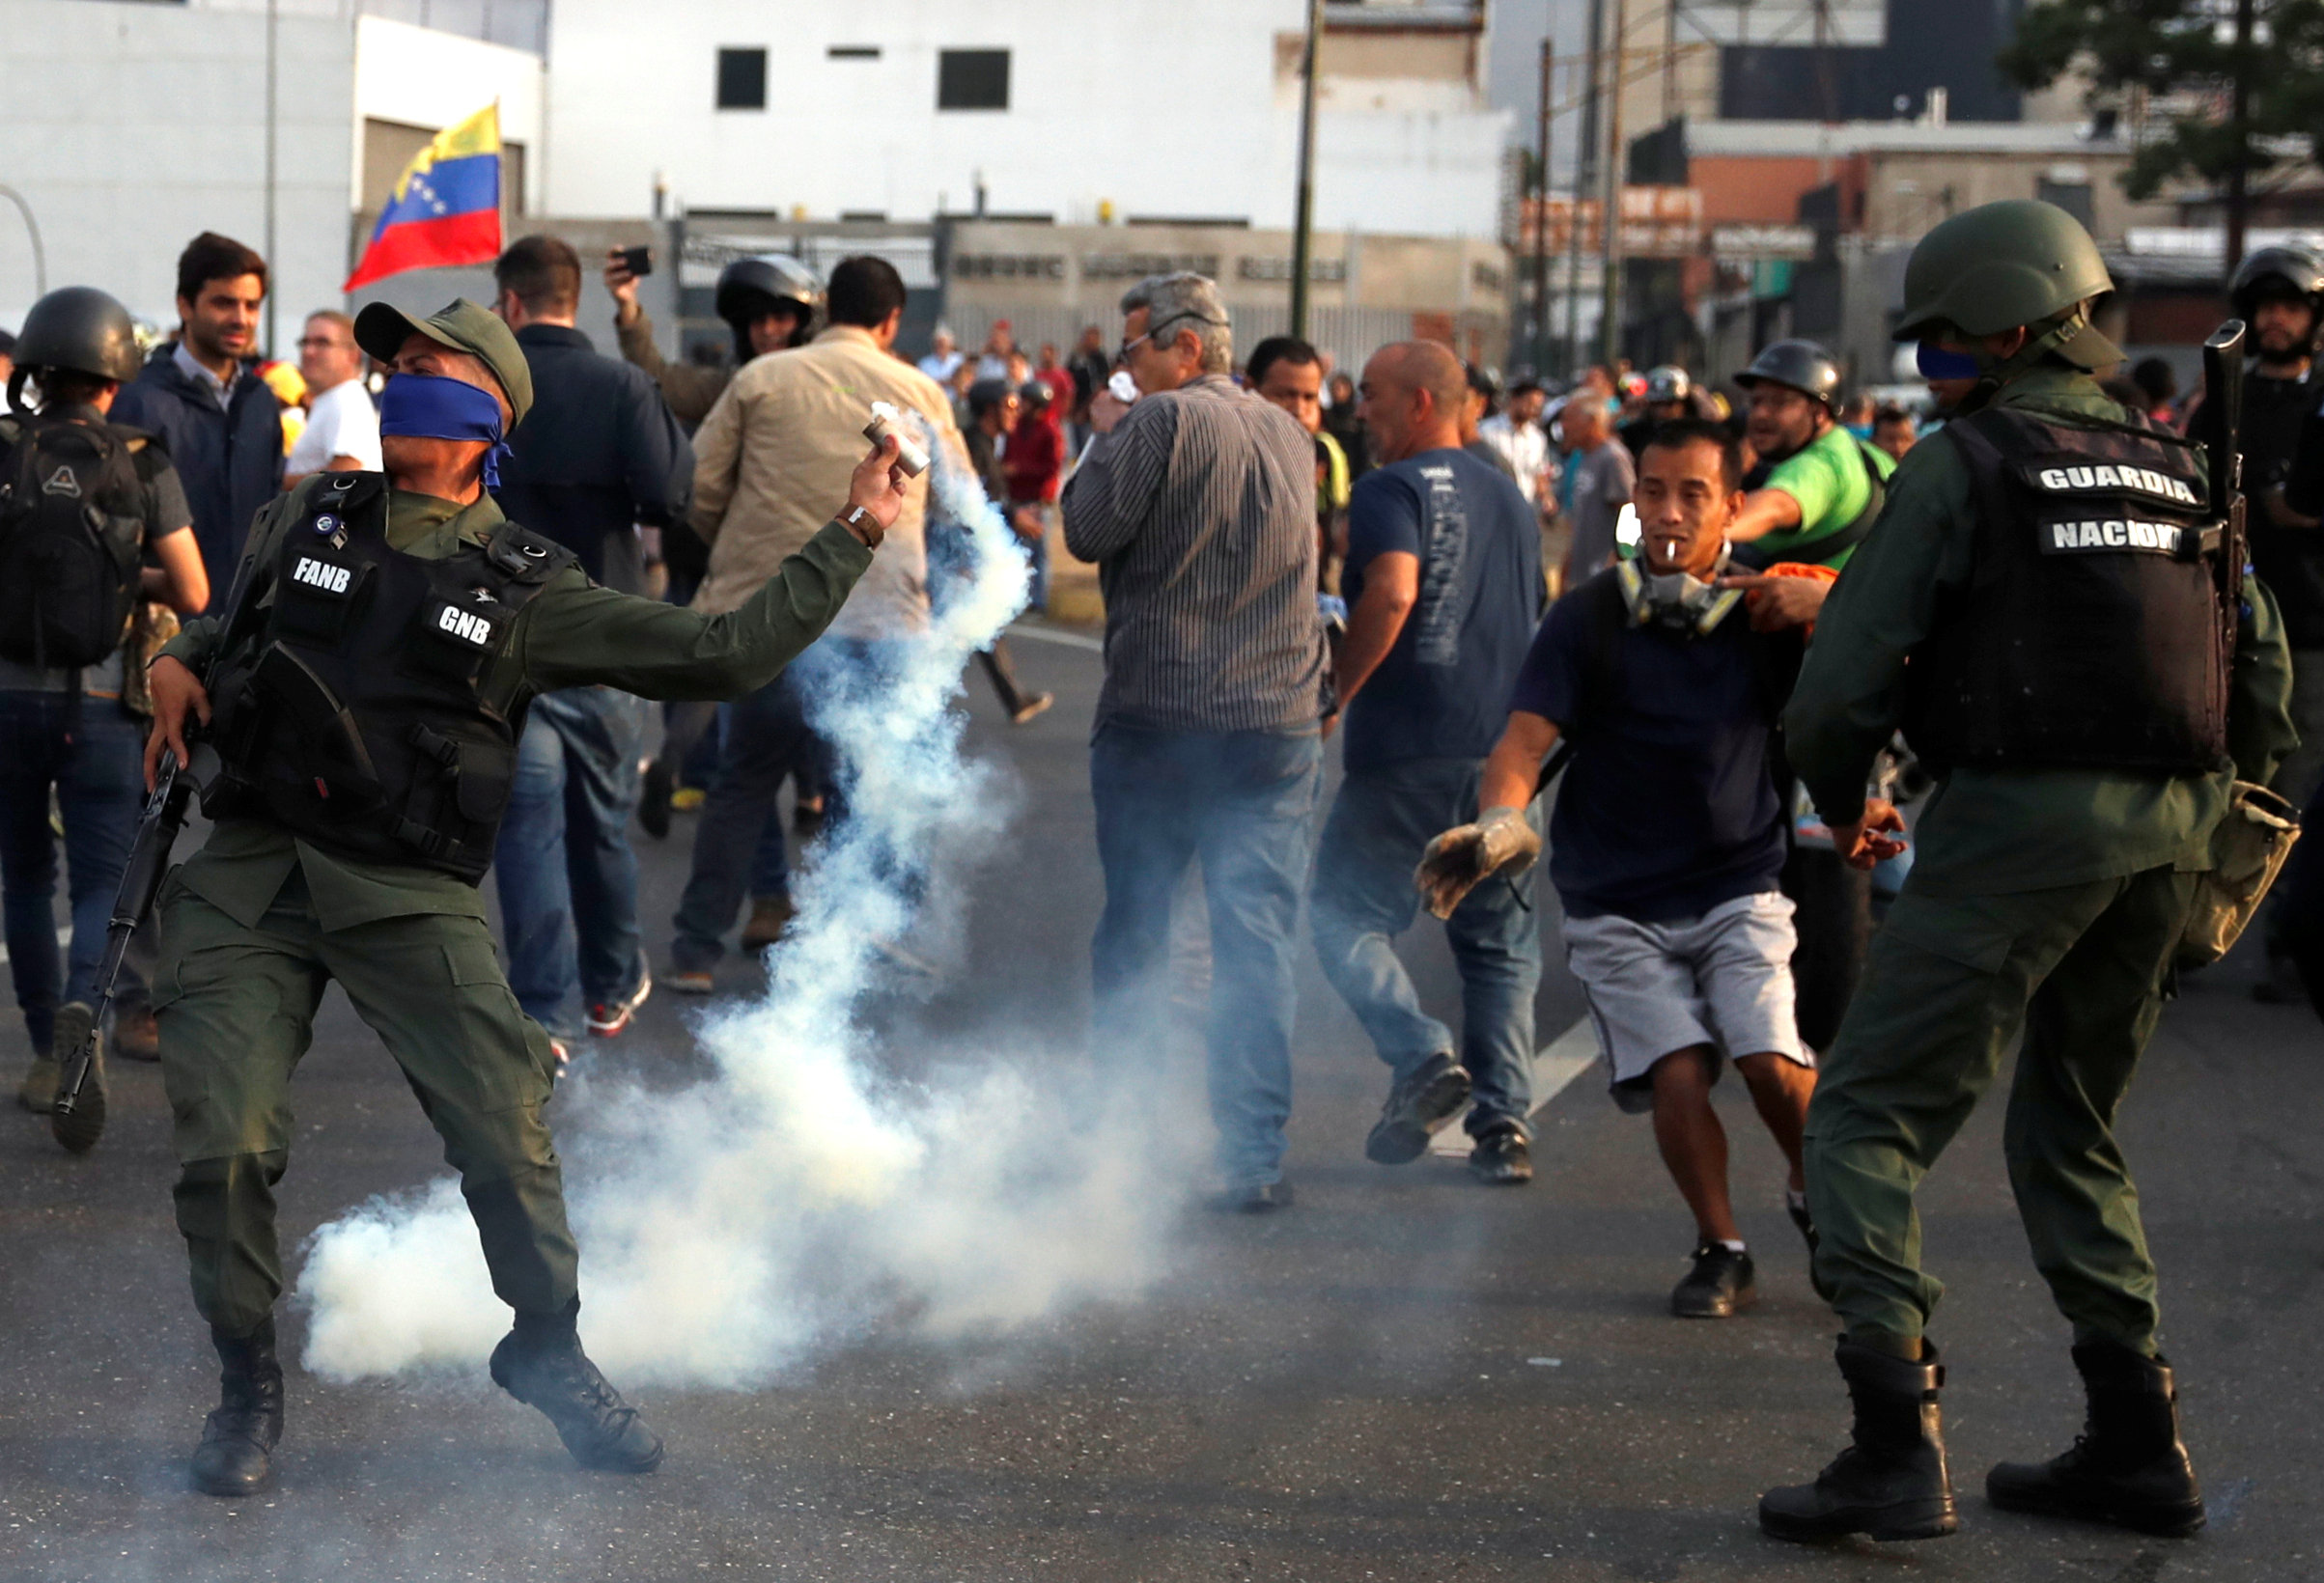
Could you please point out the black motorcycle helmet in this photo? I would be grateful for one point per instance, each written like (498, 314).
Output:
(78, 330)
(1802, 365)
(750, 288)
(2293, 270)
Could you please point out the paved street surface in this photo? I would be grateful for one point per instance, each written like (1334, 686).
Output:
(1407, 1377)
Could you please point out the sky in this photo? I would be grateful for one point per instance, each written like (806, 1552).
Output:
(1516, 29)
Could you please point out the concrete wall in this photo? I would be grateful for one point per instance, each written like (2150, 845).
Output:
(131, 128)
(1142, 107)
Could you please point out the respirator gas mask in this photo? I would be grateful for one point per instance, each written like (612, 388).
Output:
(1678, 600)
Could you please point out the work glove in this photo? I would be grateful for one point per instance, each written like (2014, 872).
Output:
(1501, 843)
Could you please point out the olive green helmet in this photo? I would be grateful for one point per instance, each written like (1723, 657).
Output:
(1998, 265)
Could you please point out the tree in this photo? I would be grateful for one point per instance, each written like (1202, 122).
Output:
(2245, 79)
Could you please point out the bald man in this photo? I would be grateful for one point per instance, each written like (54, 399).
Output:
(1444, 586)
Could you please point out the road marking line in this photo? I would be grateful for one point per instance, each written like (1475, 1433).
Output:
(1556, 1065)
(64, 937)
(1050, 634)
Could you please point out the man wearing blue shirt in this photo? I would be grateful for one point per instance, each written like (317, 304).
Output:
(1667, 840)
(1444, 585)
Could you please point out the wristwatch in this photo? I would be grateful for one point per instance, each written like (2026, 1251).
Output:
(860, 522)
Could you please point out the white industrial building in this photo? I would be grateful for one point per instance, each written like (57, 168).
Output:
(128, 125)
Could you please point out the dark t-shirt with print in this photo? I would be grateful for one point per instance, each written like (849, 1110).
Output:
(1438, 692)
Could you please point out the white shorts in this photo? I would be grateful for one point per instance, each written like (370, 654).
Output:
(1721, 980)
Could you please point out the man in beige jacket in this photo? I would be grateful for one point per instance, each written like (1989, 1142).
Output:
(783, 424)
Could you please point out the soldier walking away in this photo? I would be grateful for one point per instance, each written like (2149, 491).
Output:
(2086, 722)
(369, 688)
(72, 612)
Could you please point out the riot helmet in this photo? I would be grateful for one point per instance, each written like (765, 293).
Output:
(1668, 383)
(2294, 273)
(77, 330)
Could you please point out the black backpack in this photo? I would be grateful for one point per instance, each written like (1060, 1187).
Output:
(71, 528)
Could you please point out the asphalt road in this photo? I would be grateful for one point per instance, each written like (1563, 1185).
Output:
(1407, 1377)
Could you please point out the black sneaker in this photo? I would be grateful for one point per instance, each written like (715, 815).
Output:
(1502, 1158)
(1718, 1287)
(1797, 1209)
(1416, 1109)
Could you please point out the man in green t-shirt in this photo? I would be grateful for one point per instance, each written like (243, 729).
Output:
(1825, 485)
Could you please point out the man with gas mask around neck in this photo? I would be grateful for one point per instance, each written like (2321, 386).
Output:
(2033, 614)
(1667, 836)
(369, 683)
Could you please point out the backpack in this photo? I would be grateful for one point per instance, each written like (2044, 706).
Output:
(71, 528)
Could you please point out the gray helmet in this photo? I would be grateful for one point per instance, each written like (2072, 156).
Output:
(1800, 365)
(82, 329)
(751, 288)
(2291, 271)
(1668, 384)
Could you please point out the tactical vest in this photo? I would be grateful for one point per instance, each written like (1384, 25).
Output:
(2089, 635)
(360, 710)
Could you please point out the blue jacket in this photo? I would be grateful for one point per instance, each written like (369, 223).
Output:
(230, 461)
(597, 453)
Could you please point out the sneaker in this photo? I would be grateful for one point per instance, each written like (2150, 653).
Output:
(1718, 1287)
(607, 1021)
(1502, 1158)
(769, 916)
(79, 1130)
(38, 1092)
(653, 801)
(1417, 1108)
(681, 982)
(687, 799)
(137, 1035)
(1031, 706)
(563, 1051)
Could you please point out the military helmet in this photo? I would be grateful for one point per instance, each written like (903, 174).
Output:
(1802, 365)
(1998, 265)
(749, 287)
(2294, 270)
(1668, 384)
(82, 329)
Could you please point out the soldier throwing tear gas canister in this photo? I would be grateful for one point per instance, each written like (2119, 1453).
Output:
(365, 696)
(2088, 687)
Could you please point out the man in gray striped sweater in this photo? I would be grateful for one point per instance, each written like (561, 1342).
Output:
(1197, 503)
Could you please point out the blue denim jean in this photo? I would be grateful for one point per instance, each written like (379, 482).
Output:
(1242, 805)
(567, 872)
(92, 754)
(739, 835)
(1364, 898)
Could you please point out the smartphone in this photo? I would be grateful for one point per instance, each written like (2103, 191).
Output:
(638, 260)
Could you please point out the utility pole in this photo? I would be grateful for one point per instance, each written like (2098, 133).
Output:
(2239, 198)
(273, 264)
(1586, 165)
(1541, 215)
(1302, 223)
(1611, 222)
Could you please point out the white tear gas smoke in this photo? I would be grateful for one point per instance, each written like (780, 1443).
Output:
(798, 1195)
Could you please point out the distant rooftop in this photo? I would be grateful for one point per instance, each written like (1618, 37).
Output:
(1776, 139)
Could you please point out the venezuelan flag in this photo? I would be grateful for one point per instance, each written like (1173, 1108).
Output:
(447, 206)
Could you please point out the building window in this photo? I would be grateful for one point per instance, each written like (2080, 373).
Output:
(852, 52)
(972, 79)
(742, 79)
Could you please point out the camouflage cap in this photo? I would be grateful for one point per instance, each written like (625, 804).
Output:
(381, 329)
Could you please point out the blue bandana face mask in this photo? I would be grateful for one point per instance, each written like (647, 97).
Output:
(428, 406)
(1937, 362)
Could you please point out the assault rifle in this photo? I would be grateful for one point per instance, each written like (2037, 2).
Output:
(2218, 426)
(77, 1118)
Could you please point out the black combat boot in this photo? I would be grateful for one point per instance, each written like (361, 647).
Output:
(1891, 1483)
(542, 1365)
(236, 1453)
(2127, 1467)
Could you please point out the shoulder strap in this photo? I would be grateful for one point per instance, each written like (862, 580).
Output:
(525, 557)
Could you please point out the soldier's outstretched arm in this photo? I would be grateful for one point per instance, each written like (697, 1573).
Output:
(574, 633)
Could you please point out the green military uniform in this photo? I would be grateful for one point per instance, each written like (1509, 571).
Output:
(257, 922)
(2041, 900)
